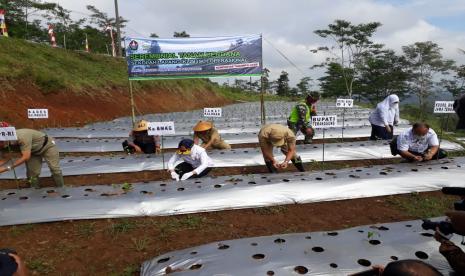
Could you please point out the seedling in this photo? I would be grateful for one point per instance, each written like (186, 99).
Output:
(126, 187)
(140, 244)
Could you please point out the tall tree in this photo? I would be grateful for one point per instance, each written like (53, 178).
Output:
(425, 66)
(283, 84)
(383, 74)
(350, 44)
(303, 87)
(456, 84)
(333, 84)
(181, 34)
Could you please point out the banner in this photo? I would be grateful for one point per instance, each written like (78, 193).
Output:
(345, 103)
(3, 30)
(194, 57)
(320, 122)
(37, 113)
(8, 134)
(444, 107)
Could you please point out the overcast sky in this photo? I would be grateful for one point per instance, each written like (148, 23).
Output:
(289, 25)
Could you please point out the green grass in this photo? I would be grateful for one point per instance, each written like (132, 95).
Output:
(39, 267)
(121, 226)
(55, 69)
(140, 244)
(16, 231)
(421, 205)
(275, 210)
(86, 230)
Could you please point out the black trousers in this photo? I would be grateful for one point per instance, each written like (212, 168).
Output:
(380, 133)
(185, 167)
(394, 151)
(145, 147)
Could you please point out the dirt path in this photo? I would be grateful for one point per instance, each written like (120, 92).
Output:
(119, 246)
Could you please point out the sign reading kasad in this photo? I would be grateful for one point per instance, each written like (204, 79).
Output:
(324, 121)
(37, 113)
(212, 112)
(8, 134)
(444, 107)
(160, 128)
(345, 103)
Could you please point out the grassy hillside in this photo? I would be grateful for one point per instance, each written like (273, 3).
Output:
(53, 70)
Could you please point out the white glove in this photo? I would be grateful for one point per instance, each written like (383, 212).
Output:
(175, 176)
(187, 175)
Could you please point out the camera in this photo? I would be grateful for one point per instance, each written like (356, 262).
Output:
(457, 191)
(444, 227)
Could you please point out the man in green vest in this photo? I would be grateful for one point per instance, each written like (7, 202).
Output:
(301, 117)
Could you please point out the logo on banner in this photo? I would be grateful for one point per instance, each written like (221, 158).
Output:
(133, 45)
(212, 112)
(160, 128)
(8, 134)
(37, 113)
(444, 107)
(344, 103)
(324, 121)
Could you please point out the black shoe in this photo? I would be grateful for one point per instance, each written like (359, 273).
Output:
(298, 164)
(270, 167)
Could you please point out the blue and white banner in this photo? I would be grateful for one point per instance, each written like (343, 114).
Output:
(194, 57)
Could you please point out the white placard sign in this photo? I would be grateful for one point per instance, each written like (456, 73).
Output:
(212, 112)
(160, 128)
(8, 134)
(37, 113)
(324, 121)
(345, 103)
(444, 107)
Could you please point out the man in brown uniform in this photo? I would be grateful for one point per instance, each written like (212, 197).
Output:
(275, 135)
(34, 146)
(209, 135)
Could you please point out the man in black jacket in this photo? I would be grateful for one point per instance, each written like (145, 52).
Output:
(459, 107)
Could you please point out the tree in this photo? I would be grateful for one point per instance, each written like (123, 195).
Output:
(283, 84)
(456, 85)
(425, 64)
(154, 35)
(303, 87)
(333, 83)
(351, 43)
(266, 80)
(382, 74)
(181, 34)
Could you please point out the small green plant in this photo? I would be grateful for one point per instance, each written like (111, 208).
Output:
(86, 229)
(270, 210)
(126, 187)
(16, 231)
(39, 266)
(140, 244)
(121, 227)
(422, 205)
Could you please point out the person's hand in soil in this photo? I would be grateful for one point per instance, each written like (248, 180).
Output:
(187, 175)
(158, 150)
(418, 158)
(175, 176)
(276, 164)
(137, 149)
(284, 164)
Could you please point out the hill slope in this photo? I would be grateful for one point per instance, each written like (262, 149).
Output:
(80, 87)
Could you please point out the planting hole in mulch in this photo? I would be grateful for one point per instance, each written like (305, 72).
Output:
(394, 258)
(333, 234)
(164, 260)
(223, 246)
(301, 269)
(364, 262)
(258, 256)
(270, 273)
(374, 242)
(421, 255)
(279, 241)
(333, 265)
(195, 266)
(318, 249)
(427, 234)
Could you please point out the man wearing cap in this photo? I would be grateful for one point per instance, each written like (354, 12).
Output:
(301, 117)
(140, 142)
(209, 135)
(196, 162)
(275, 135)
(34, 146)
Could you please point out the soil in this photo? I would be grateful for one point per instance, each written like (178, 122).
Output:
(70, 109)
(114, 246)
(133, 177)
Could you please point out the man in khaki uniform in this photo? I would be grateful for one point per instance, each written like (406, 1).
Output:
(209, 135)
(34, 146)
(275, 135)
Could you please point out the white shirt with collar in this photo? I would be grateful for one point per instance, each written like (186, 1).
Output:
(198, 158)
(408, 141)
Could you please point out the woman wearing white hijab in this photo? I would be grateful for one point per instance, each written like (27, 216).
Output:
(384, 117)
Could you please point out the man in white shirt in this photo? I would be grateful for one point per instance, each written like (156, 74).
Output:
(418, 143)
(196, 161)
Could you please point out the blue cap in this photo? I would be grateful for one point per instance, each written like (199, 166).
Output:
(187, 143)
(8, 265)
